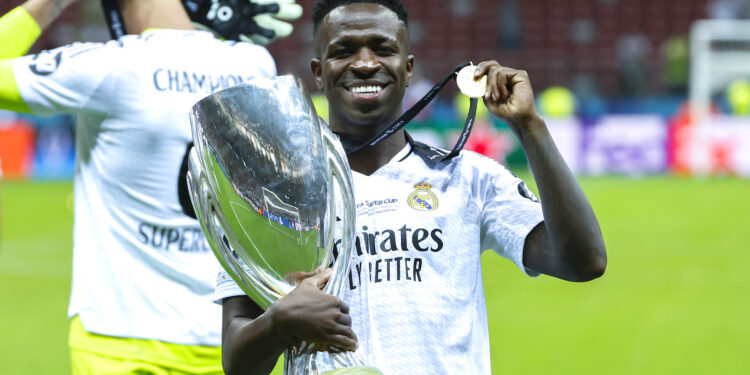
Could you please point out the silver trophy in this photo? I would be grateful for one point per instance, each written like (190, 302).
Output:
(268, 181)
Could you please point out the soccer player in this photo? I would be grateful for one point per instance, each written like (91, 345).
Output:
(415, 292)
(143, 274)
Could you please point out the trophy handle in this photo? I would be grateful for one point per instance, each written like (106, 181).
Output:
(340, 172)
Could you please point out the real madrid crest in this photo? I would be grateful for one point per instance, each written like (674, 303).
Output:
(422, 199)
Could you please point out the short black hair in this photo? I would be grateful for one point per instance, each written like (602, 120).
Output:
(323, 7)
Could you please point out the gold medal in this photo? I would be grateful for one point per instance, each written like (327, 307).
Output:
(468, 85)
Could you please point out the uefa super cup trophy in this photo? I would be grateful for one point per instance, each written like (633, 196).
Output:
(268, 181)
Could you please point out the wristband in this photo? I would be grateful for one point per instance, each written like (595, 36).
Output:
(18, 32)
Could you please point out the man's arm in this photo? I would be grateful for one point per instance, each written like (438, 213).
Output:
(18, 32)
(569, 243)
(139, 15)
(19, 29)
(253, 340)
(46, 11)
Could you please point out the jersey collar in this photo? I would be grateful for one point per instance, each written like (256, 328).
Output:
(432, 156)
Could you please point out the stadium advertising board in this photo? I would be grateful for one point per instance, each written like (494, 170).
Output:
(634, 145)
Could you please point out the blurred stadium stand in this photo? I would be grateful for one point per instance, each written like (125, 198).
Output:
(556, 41)
(618, 58)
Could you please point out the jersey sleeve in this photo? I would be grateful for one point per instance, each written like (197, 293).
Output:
(10, 98)
(72, 79)
(226, 287)
(510, 211)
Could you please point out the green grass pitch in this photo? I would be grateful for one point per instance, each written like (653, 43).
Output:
(675, 298)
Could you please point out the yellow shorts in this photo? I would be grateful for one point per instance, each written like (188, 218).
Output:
(93, 354)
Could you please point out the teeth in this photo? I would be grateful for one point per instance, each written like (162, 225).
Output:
(366, 89)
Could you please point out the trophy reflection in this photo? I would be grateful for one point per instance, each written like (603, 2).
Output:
(268, 180)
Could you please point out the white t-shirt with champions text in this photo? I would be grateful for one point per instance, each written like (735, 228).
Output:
(415, 287)
(141, 267)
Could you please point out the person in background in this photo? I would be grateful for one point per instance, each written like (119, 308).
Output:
(143, 274)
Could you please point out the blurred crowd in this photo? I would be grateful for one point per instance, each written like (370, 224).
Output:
(615, 56)
(586, 58)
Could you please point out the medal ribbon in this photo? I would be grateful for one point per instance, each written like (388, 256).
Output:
(414, 110)
(113, 15)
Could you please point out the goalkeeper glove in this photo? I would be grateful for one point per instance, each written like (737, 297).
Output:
(258, 21)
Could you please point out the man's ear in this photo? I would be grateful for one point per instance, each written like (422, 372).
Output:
(409, 68)
(317, 71)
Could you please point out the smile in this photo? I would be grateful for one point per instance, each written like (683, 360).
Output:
(371, 90)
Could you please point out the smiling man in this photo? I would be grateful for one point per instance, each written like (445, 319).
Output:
(415, 296)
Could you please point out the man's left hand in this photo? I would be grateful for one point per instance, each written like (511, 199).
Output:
(509, 95)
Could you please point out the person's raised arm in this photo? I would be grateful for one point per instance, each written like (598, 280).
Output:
(19, 29)
(569, 243)
(139, 15)
(46, 11)
(18, 32)
(253, 340)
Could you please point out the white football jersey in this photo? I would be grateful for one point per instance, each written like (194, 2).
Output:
(141, 268)
(415, 285)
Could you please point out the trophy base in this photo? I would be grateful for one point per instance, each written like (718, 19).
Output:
(304, 361)
(362, 370)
